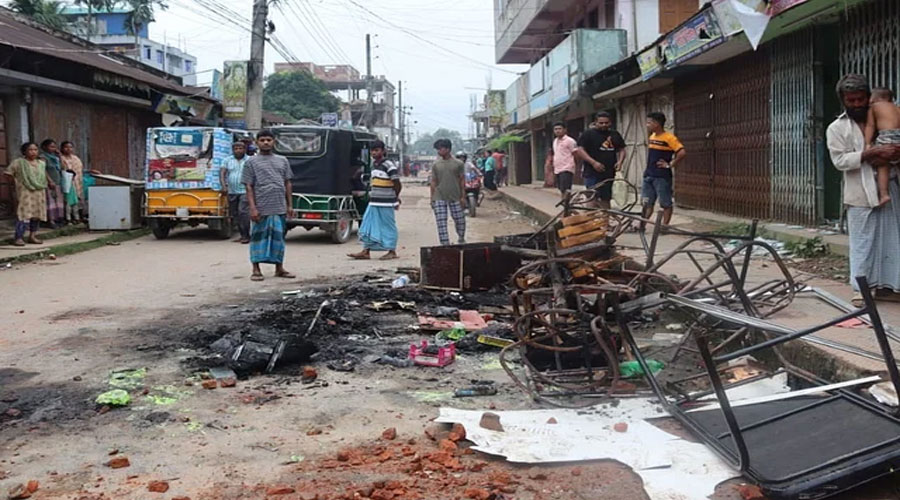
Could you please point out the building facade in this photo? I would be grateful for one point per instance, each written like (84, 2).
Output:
(58, 86)
(110, 29)
(752, 118)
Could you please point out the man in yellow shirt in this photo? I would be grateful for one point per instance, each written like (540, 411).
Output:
(664, 152)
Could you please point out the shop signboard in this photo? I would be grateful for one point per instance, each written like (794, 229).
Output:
(648, 61)
(778, 6)
(697, 35)
(728, 20)
(234, 94)
(216, 88)
(329, 119)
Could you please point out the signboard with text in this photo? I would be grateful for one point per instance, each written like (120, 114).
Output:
(778, 6)
(648, 61)
(329, 119)
(697, 35)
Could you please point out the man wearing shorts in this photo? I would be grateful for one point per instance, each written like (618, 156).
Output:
(664, 152)
(563, 158)
(603, 151)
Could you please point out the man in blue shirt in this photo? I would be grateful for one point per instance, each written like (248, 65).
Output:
(230, 178)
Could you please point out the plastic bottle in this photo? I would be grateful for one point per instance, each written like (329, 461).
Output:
(475, 390)
(400, 282)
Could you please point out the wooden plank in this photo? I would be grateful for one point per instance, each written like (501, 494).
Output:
(586, 227)
(581, 239)
(579, 219)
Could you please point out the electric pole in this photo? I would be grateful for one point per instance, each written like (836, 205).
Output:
(257, 59)
(402, 138)
(370, 103)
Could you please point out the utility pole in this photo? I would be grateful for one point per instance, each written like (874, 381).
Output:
(257, 59)
(370, 103)
(402, 138)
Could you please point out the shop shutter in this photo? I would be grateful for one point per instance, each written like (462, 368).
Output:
(870, 42)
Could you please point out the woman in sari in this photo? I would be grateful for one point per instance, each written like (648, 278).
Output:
(31, 182)
(72, 163)
(56, 202)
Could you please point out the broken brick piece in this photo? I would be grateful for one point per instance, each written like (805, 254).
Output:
(457, 433)
(447, 445)
(750, 492)
(280, 490)
(118, 463)
(343, 456)
(621, 427)
(210, 384)
(490, 421)
(158, 486)
(32, 486)
(389, 434)
(477, 493)
(309, 374)
(181, 498)
(18, 491)
(313, 432)
(552, 421)
(227, 382)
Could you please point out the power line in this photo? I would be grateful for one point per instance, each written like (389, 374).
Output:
(322, 28)
(306, 21)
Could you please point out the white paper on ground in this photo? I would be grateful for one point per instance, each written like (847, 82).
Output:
(671, 467)
(885, 394)
(776, 384)
(793, 394)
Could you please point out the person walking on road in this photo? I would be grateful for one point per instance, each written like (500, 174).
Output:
(448, 192)
(378, 230)
(267, 177)
(56, 203)
(499, 168)
(231, 178)
(874, 231)
(602, 151)
(664, 152)
(30, 176)
(563, 158)
(490, 171)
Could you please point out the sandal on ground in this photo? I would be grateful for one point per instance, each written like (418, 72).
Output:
(359, 256)
(857, 300)
(389, 256)
(284, 274)
(257, 277)
(33, 240)
(244, 242)
(19, 243)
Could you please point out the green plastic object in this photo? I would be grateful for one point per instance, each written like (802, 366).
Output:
(115, 397)
(632, 369)
(455, 334)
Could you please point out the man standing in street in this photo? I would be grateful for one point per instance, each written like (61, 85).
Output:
(603, 152)
(267, 177)
(378, 230)
(563, 158)
(664, 152)
(490, 171)
(230, 176)
(448, 192)
(874, 231)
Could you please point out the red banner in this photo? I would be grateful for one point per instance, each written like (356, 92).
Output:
(778, 6)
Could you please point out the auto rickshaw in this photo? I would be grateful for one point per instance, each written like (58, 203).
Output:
(182, 174)
(329, 165)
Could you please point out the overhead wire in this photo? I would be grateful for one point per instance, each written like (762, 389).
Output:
(304, 21)
(323, 29)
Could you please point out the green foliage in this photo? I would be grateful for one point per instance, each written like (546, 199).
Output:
(142, 14)
(299, 95)
(808, 248)
(46, 12)
(503, 142)
(424, 145)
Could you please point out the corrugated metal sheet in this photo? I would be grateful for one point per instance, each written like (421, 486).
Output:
(793, 129)
(870, 42)
(722, 118)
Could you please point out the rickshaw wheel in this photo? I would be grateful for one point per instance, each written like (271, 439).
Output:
(225, 229)
(160, 228)
(342, 229)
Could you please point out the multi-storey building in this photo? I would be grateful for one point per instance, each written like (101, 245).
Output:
(110, 29)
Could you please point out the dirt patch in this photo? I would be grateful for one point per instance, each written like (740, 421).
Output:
(833, 267)
(84, 314)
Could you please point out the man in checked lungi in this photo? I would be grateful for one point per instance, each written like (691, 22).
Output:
(268, 180)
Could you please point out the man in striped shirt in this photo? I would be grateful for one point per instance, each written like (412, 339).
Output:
(378, 230)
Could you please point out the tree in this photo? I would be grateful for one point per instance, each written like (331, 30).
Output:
(299, 95)
(141, 15)
(46, 12)
(424, 145)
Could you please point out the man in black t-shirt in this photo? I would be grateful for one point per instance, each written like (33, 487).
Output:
(603, 151)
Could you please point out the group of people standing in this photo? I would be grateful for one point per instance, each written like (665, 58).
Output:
(491, 165)
(602, 153)
(49, 188)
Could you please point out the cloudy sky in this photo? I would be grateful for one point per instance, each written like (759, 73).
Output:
(442, 51)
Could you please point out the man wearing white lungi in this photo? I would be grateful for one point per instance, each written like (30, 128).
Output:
(874, 230)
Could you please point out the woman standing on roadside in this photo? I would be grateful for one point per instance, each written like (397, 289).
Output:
(72, 163)
(55, 200)
(30, 174)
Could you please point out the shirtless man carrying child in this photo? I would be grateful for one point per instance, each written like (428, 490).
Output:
(883, 127)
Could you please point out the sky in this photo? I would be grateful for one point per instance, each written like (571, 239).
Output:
(443, 51)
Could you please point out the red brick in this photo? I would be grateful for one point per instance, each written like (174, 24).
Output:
(158, 486)
(621, 427)
(389, 434)
(279, 490)
(227, 382)
(118, 463)
(210, 384)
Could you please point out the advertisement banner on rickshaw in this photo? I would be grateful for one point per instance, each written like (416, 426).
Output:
(234, 94)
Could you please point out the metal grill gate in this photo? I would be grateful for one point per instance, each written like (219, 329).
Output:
(722, 118)
(794, 165)
(870, 42)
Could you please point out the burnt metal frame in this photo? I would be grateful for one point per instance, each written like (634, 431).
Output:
(742, 460)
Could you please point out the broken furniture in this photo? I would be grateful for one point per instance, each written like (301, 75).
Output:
(466, 268)
(800, 447)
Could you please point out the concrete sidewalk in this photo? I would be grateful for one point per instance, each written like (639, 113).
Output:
(539, 203)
